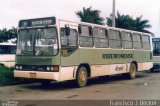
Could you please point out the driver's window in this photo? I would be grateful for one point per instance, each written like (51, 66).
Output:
(69, 40)
(69, 43)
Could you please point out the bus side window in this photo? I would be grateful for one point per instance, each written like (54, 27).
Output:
(126, 40)
(13, 49)
(114, 39)
(100, 38)
(85, 39)
(136, 41)
(146, 42)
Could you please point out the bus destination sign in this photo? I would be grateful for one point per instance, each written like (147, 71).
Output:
(37, 22)
(155, 39)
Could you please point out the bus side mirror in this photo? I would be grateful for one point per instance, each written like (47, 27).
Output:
(90, 31)
(67, 30)
(79, 29)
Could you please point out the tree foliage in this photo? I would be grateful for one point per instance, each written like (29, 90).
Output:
(6, 34)
(90, 15)
(128, 22)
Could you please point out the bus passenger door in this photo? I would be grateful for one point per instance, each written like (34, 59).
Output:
(69, 53)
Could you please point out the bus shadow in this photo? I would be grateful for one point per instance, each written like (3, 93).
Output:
(59, 86)
(142, 75)
(118, 79)
(52, 86)
(155, 71)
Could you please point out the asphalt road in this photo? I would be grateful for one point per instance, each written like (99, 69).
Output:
(146, 86)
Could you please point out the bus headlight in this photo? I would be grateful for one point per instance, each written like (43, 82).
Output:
(18, 67)
(48, 68)
(52, 68)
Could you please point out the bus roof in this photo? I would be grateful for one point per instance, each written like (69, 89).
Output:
(104, 26)
(52, 21)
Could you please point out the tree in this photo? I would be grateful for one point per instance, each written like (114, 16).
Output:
(127, 22)
(141, 25)
(6, 34)
(89, 15)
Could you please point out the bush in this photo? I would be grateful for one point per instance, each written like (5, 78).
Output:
(6, 75)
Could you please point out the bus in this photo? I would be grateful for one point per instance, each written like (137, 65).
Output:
(7, 54)
(156, 54)
(55, 49)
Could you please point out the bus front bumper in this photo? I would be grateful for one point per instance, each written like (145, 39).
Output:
(36, 75)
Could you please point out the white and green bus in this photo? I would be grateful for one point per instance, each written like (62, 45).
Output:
(7, 54)
(56, 49)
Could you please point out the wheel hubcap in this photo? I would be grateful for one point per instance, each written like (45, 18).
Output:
(82, 76)
(133, 70)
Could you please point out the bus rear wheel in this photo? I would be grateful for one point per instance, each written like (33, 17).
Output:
(132, 71)
(81, 76)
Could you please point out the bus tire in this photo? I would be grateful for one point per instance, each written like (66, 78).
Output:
(81, 76)
(132, 71)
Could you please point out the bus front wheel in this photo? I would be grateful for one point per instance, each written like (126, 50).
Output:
(81, 76)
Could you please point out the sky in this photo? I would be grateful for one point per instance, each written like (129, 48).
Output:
(14, 10)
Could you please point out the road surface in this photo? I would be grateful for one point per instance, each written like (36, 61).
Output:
(146, 86)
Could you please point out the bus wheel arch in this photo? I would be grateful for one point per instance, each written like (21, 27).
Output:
(134, 62)
(87, 66)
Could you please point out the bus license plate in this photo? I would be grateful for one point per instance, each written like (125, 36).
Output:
(33, 75)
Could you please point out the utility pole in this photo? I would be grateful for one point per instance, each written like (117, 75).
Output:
(113, 14)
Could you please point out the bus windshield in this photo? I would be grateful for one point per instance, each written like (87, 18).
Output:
(38, 42)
